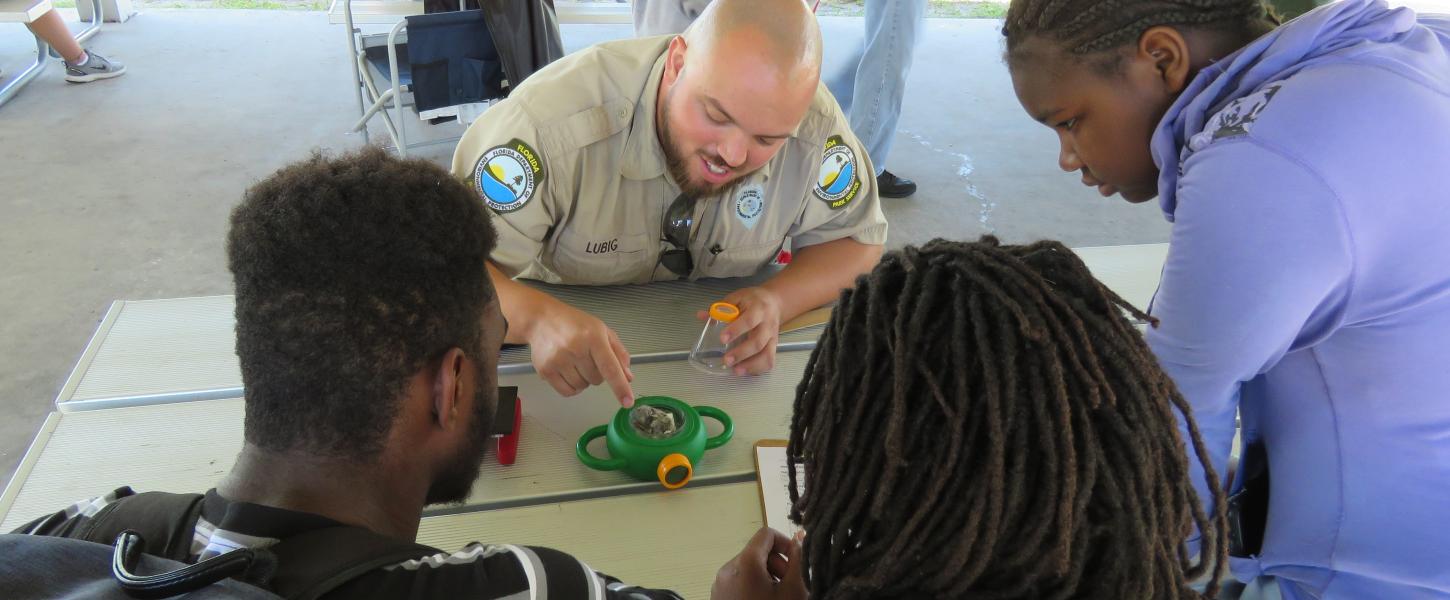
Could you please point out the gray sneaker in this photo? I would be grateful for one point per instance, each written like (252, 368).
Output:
(97, 67)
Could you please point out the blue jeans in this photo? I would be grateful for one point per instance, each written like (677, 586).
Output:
(660, 17)
(870, 89)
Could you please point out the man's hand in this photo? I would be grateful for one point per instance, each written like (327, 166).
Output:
(759, 324)
(814, 277)
(573, 350)
(769, 568)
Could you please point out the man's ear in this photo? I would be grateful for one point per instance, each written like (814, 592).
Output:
(1166, 50)
(675, 60)
(448, 389)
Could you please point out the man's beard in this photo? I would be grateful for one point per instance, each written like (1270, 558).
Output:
(679, 164)
(456, 479)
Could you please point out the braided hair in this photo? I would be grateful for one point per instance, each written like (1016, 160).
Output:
(1084, 27)
(980, 420)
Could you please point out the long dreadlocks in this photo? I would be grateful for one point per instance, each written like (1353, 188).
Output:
(980, 420)
(1089, 26)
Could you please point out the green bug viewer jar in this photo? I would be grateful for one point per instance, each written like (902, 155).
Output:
(660, 439)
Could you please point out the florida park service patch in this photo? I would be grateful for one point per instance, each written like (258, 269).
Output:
(507, 176)
(838, 182)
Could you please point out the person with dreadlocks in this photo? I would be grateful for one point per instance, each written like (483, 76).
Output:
(1306, 287)
(980, 420)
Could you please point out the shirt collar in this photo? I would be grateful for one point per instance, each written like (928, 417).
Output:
(257, 520)
(643, 157)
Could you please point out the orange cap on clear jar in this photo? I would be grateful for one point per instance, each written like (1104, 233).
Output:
(724, 312)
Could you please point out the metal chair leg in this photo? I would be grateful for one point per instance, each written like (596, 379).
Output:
(12, 87)
(357, 78)
(402, 138)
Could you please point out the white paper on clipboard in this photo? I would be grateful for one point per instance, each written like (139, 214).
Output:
(772, 475)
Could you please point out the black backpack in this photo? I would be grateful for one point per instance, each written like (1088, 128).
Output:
(136, 547)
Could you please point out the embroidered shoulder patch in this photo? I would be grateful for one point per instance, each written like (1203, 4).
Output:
(837, 183)
(507, 176)
(1236, 119)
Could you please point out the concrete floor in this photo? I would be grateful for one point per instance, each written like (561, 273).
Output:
(121, 189)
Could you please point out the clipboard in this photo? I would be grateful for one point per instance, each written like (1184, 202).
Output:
(809, 318)
(774, 505)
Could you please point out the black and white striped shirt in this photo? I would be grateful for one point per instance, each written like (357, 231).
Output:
(478, 571)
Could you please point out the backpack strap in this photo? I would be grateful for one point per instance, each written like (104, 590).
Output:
(307, 566)
(165, 521)
(312, 564)
(244, 564)
(163, 524)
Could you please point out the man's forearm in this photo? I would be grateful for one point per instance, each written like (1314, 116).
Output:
(521, 305)
(817, 274)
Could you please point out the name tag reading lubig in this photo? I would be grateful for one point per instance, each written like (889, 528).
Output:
(602, 247)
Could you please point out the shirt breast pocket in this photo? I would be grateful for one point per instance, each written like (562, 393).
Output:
(741, 261)
(602, 260)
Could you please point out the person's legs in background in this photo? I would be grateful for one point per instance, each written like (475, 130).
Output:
(51, 28)
(660, 17)
(80, 65)
(870, 90)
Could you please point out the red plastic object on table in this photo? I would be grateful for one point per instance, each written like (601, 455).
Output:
(508, 445)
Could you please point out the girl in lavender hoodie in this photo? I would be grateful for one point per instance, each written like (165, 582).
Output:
(1306, 170)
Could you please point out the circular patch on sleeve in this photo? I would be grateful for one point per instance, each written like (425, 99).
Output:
(837, 183)
(508, 176)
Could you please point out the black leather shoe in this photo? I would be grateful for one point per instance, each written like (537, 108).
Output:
(888, 185)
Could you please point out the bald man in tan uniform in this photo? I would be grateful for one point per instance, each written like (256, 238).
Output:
(674, 157)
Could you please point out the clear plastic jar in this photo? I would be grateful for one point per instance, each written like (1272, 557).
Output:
(709, 352)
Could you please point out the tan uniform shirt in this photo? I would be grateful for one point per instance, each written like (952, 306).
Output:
(573, 171)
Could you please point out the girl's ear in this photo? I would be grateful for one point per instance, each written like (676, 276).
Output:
(1165, 51)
